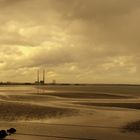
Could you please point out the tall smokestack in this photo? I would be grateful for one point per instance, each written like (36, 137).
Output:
(44, 76)
(38, 76)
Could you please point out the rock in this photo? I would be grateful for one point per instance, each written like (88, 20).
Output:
(3, 134)
(11, 130)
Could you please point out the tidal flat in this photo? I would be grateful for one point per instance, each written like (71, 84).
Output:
(89, 112)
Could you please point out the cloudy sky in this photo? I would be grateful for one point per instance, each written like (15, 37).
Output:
(76, 41)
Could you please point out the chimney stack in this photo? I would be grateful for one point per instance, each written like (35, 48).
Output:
(44, 76)
(38, 76)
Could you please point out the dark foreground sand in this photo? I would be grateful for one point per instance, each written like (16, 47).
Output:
(132, 127)
(12, 111)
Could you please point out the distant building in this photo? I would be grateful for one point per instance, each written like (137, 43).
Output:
(42, 82)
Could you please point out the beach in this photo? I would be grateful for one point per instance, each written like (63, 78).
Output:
(101, 112)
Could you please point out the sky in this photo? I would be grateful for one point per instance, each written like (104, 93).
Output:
(75, 41)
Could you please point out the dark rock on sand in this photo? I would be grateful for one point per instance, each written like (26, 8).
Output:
(11, 130)
(3, 134)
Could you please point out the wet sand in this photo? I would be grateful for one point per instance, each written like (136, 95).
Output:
(10, 111)
(85, 95)
(118, 105)
(132, 127)
(82, 112)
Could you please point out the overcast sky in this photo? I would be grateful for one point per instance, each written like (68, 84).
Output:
(76, 41)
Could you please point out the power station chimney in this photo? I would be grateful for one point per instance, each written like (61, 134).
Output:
(38, 76)
(43, 76)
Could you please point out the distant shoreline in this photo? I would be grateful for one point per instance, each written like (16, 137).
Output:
(65, 84)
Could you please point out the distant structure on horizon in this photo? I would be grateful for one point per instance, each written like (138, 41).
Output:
(40, 82)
